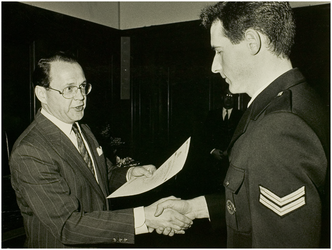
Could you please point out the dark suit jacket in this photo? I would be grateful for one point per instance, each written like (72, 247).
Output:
(61, 203)
(218, 134)
(278, 175)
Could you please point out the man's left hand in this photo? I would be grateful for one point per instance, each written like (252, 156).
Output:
(145, 170)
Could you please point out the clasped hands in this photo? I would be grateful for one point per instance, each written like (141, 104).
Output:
(170, 215)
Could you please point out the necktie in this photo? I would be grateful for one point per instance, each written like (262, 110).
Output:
(226, 116)
(82, 149)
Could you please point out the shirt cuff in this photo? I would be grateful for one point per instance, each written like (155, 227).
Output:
(201, 207)
(139, 223)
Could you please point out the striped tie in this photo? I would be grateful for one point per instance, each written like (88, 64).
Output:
(82, 149)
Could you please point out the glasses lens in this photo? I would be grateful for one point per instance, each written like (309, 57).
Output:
(87, 89)
(71, 91)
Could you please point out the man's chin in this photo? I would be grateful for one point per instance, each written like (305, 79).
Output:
(234, 90)
(77, 116)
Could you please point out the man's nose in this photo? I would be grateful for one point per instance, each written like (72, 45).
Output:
(216, 66)
(79, 95)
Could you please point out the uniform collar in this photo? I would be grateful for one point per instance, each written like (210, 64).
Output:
(263, 100)
(283, 82)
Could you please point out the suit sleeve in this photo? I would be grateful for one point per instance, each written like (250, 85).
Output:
(44, 195)
(117, 176)
(286, 170)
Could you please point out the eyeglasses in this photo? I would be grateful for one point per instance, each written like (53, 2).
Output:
(71, 91)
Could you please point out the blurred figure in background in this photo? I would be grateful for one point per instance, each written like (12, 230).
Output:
(220, 125)
(217, 133)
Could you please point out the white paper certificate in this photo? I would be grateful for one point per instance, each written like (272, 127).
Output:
(167, 170)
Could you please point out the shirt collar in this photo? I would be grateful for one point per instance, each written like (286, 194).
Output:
(256, 94)
(64, 127)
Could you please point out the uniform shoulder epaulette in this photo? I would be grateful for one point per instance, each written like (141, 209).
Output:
(281, 103)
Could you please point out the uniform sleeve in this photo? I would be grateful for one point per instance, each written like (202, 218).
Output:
(286, 168)
(216, 207)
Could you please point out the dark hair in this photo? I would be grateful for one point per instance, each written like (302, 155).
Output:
(273, 19)
(41, 75)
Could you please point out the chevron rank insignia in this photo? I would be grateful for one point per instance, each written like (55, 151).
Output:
(282, 205)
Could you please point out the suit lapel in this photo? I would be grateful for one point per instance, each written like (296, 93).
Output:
(63, 146)
(98, 159)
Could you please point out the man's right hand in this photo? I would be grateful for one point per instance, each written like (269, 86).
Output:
(168, 218)
(218, 154)
(193, 209)
(182, 206)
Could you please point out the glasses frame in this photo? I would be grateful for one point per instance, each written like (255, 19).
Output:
(89, 85)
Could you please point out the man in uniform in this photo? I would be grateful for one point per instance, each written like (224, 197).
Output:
(277, 181)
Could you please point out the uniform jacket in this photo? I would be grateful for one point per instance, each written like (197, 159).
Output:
(61, 203)
(276, 182)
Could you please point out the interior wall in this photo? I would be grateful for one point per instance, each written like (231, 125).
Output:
(134, 14)
(144, 14)
(104, 13)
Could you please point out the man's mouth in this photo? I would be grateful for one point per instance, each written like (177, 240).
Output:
(79, 108)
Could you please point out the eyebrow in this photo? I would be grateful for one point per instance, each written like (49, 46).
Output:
(70, 84)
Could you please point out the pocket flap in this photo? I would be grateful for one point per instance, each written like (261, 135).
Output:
(234, 179)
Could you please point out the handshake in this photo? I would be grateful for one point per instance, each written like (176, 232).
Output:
(172, 215)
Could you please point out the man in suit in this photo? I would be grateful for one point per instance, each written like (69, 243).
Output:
(277, 183)
(61, 177)
(220, 125)
(211, 147)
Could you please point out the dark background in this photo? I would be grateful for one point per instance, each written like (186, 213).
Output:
(171, 86)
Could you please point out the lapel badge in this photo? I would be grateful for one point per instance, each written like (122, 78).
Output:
(230, 207)
(99, 151)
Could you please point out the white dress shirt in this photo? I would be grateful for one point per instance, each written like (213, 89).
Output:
(225, 111)
(256, 94)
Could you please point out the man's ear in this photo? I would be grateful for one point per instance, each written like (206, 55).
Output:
(253, 40)
(41, 93)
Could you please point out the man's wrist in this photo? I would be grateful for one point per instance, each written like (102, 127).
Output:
(200, 207)
(139, 221)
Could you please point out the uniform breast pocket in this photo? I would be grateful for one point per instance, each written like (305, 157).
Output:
(237, 204)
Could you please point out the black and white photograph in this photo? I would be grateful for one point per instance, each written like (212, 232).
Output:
(166, 124)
